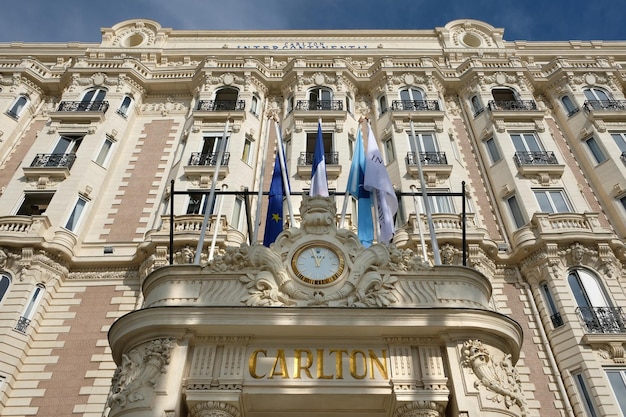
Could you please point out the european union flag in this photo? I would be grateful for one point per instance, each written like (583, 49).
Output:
(274, 220)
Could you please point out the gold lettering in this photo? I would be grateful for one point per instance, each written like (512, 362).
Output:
(339, 361)
(252, 361)
(353, 364)
(280, 359)
(382, 366)
(320, 365)
(298, 365)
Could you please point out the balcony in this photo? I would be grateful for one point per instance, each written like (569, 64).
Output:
(434, 165)
(421, 111)
(415, 105)
(309, 111)
(305, 164)
(509, 110)
(80, 111)
(512, 105)
(606, 109)
(203, 165)
(324, 105)
(52, 165)
(217, 110)
(538, 163)
(602, 319)
(22, 324)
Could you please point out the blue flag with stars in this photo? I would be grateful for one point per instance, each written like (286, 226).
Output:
(274, 220)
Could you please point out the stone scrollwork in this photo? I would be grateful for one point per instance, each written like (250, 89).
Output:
(420, 409)
(499, 377)
(214, 409)
(140, 368)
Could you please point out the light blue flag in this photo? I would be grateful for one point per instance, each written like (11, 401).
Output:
(319, 183)
(365, 223)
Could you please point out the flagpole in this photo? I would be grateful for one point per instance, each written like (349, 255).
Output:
(283, 170)
(347, 196)
(431, 226)
(419, 224)
(265, 145)
(215, 229)
(207, 211)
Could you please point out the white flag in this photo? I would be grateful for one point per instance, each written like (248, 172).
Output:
(377, 178)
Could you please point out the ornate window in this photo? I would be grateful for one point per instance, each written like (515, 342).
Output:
(18, 106)
(568, 105)
(77, 214)
(125, 106)
(30, 309)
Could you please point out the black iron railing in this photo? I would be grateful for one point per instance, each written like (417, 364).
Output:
(535, 158)
(557, 320)
(513, 105)
(53, 160)
(623, 157)
(310, 105)
(427, 158)
(602, 319)
(415, 105)
(210, 159)
(306, 158)
(591, 105)
(221, 105)
(78, 106)
(22, 324)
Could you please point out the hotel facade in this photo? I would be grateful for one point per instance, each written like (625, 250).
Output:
(503, 299)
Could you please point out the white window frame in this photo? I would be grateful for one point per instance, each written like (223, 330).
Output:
(596, 150)
(254, 105)
(424, 144)
(93, 95)
(527, 142)
(382, 105)
(597, 94)
(492, 150)
(104, 154)
(515, 210)
(75, 219)
(477, 105)
(617, 376)
(124, 109)
(73, 143)
(390, 153)
(204, 199)
(620, 140)
(550, 195)
(18, 106)
(248, 150)
(568, 105)
(439, 204)
(586, 400)
(411, 94)
(239, 209)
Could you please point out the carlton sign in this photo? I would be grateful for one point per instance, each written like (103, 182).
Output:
(300, 363)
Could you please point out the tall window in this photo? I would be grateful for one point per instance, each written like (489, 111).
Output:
(555, 316)
(516, 212)
(477, 106)
(617, 378)
(595, 149)
(34, 203)
(492, 149)
(198, 203)
(211, 147)
(552, 201)
(67, 144)
(327, 137)
(238, 213)
(620, 140)
(568, 105)
(438, 203)
(382, 105)
(290, 104)
(92, 99)
(320, 98)
(587, 403)
(5, 281)
(349, 104)
(526, 142)
(254, 105)
(226, 99)
(503, 94)
(76, 215)
(411, 94)
(30, 309)
(623, 201)
(18, 106)
(390, 154)
(246, 155)
(594, 307)
(125, 106)
(597, 94)
(105, 150)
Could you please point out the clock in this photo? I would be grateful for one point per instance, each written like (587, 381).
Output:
(317, 263)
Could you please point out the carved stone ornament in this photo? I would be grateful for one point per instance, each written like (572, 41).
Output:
(140, 368)
(214, 409)
(420, 409)
(500, 377)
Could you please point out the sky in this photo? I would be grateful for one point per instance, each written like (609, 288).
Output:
(531, 20)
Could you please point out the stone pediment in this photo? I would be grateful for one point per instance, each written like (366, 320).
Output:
(317, 265)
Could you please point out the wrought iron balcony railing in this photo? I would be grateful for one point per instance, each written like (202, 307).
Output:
(79, 106)
(512, 105)
(208, 159)
(591, 105)
(415, 105)
(535, 158)
(22, 324)
(623, 157)
(602, 319)
(306, 158)
(311, 105)
(427, 158)
(53, 160)
(557, 320)
(221, 105)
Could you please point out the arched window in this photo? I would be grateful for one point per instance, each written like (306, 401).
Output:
(125, 106)
(410, 99)
(18, 106)
(254, 105)
(382, 105)
(594, 307)
(30, 308)
(477, 106)
(321, 98)
(93, 100)
(568, 105)
(597, 98)
(226, 99)
(5, 281)
(504, 94)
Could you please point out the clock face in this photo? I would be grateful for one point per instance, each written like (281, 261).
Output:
(317, 264)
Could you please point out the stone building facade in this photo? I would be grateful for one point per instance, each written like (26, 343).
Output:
(108, 152)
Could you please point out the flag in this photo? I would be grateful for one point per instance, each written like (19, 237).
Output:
(274, 220)
(365, 223)
(319, 183)
(376, 178)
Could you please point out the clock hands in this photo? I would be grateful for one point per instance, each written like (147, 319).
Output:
(318, 259)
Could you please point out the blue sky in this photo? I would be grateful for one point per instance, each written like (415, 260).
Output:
(81, 20)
